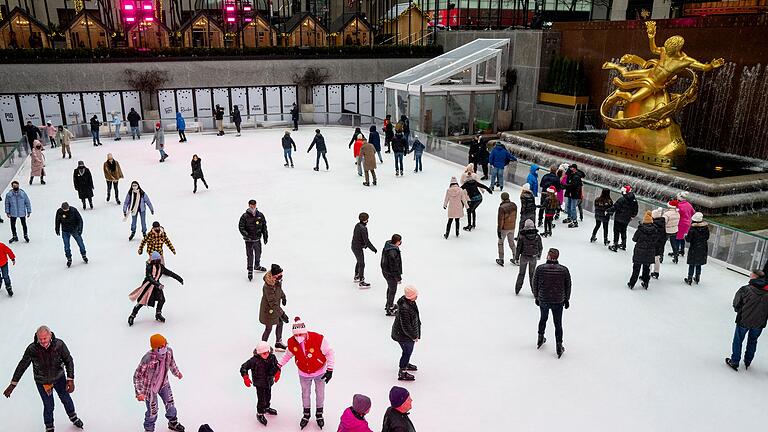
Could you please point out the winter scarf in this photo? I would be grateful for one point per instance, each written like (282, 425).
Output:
(135, 201)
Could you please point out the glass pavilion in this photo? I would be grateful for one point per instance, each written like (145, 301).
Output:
(454, 94)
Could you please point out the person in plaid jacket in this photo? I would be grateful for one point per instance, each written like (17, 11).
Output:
(155, 239)
(150, 382)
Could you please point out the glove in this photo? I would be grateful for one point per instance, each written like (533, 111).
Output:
(140, 398)
(375, 250)
(70, 386)
(9, 390)
(537, 302)
(567, 304)
(445, 208)
(490, 192)
(327, 375)
(265, 240)
(181, 281)
(285, 301)
(246, 381)
(277, 376)
(498, 233)
(284, 318)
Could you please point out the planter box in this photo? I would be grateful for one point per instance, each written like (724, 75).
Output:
(563, 100)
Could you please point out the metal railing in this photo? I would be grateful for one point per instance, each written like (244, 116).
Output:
(740, 249)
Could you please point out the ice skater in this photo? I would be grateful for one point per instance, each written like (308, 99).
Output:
(400, 148)
(455, 202)
(392, 270)
(319, 144)
(64, 138)
(271, 312)
(751, 306)
(527, 253)
(506, 222)
(150, 382)
(645, 238)
(527, 205)
(218, 116)
(6, 254)
(159, 141)
(623, 210)
(673, 220)
(17, 206)
(472, 188)
(602, 217)
(38, 162)
(360, 242)
(660, 222)
(83, 181)
(552, 291)
(116, 122)
(135, 204)
(181, 127)
(95, 125)
(133, 121)
(368, 155)
(154, 240)
(389, 133)
(264, 374)
(288, 143)
(357, 141)
(54, 370)
(353, 418)
(698, 250)
(253, 226)
(406, 331)
(418, 150)
(295, 116)
(375, 139)
(686, 211)
(69, 224)
(151, 292)
(551, 207)
(197, 172)
(113, 174)
(236, 118)
(314, 359)
(50, 132)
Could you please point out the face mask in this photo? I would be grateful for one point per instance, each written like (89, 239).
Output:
(162, 350)
(300, 339)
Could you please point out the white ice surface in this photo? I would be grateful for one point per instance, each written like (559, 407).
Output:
(635, 361)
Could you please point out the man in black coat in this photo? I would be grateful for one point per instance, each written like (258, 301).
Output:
(32, 133)
(392, 269)
(623, 210)
(133, 121)
(252, 226)
(295, 117)
(95, 125)
(53, 369)
(389, 132)
(552, 291)
(218, 115)
(396, 417)
(646, 238)
(406, 331)
(549, 179)
(573, 187)
(319, 144)
(527, 253)
(751, 306)
(360, 242)
(69, 224)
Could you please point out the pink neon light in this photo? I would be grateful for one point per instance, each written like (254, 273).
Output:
(230, 19)
(248, 20)
(149, 18)
(130, 19)
(230, 8)
(147, 7)
(128, 7)
(247, 8)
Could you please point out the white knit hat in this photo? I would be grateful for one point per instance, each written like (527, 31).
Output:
(263, 347)
(299, 327)
(697, 217)
(527, 187)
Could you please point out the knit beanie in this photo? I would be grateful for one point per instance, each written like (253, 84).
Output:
(299, 327)
(454, 181)
(504, 196)
(361, 404)
(155, 224)
(697, 217)
(155, 256)
(411, 292)
(526, 187)
(157, 340)
(65, 205)
(529, 224)
(262, 347)
(681, 196)
(657, 213)
(80, 163)
(157, 125)
(275, 270)
(647, 217)
(398, 396)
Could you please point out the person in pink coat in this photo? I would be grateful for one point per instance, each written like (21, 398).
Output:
(455, 202)
(38, 162)
(50, 130)
(562, 173)
(686, 211)
(353, 418)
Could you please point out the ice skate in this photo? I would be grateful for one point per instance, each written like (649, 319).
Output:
(279, 347)
(573, 224)
(319, 418)
(500, 262)
(130, 237)
(69, 263)
(540, 341)
(688, 281)
(305, 418)
(13, 239)
(644, 284)
(363, 285)
(630, 285)
(411, 368)
(606, 242)
(130, 319)
(613, 248)
(271, 411)
(175, 426)
(260, 269)
(76, 422)
(593, 239)
(696, 279)
(514, 261)
(316, 169)
(655, 275)
(390, 311)
(26, 239)
(403, 375)
(85, 259)
(159, 317)
(250, 275)
(10, 291)
(261, 419)
(560, 350)
(731, 365)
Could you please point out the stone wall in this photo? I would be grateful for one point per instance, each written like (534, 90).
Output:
(74, 77)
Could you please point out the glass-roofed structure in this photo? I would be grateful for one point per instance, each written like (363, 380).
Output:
(456, 93)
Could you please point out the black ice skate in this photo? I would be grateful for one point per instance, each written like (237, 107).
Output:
(69, 263)
(76, 421)
(10, 291)
(319, 418)
(411, 368)
(655, 275)
(85, 259)
(630, 285)
(403, 375)
(688, 281)
(279, 347)
(130, 319)
(305, 418)
(500, 262)
(133, 233)
(644, 284)
(696, 279)
(593, 239)
(364, 285)
(261, 419)
(613, 248)
(731, 365)
(271, 411)
(26, 239)
(250, 275)
(260, 269)
(606, 242)
(560, 350)
(514, 261)
(540, 341)
(573, 224)
(175, 426)
(159, 317)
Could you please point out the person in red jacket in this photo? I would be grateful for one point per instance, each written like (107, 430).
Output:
(315, 359)
(5, 253)
(357, 140)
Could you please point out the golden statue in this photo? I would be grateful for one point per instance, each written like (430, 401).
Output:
(644, 128)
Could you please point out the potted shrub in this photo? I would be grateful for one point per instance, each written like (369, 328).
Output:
(311, 77)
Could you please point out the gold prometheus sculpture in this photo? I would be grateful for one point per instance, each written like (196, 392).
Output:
(645, 104)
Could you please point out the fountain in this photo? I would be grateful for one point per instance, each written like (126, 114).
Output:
(644, 144)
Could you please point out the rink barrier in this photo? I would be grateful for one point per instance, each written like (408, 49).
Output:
(743, 251)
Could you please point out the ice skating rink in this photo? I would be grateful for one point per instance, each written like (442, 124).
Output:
(635, 360)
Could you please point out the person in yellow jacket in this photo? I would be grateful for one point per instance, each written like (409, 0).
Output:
(155, 239)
